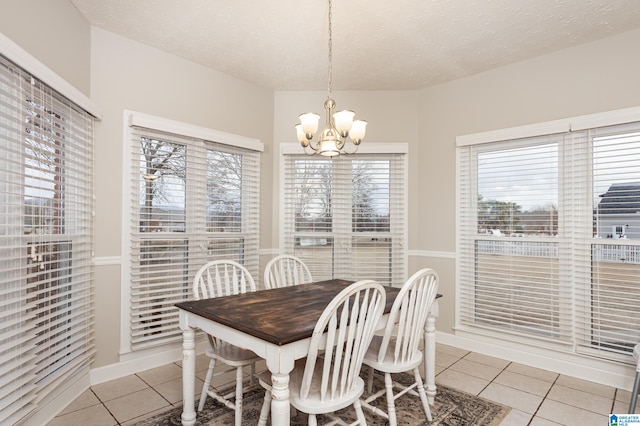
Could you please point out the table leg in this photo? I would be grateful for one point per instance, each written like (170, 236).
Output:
(430, 357)
(280, 409)
(188, 376)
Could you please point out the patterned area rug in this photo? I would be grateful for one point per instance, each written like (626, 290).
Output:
(451, 408)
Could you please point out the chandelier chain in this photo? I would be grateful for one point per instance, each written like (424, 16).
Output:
(330, 53)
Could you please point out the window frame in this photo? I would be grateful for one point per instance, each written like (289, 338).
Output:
(63, 375)
(575, 223)
(201, 136)
(400, 208)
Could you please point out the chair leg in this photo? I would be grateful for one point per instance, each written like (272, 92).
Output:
(388, 384)
(312, 420)
(422, 393)
(207, 383)
(634, 394)
(266, 407)
(370, 380)
(238, 401)
(359, 413)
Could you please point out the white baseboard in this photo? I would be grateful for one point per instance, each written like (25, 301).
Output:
(133, 364)
(592, 369)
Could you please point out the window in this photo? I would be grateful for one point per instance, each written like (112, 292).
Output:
(194, 198)
(547, 247)
(46, 242)
(345, 217)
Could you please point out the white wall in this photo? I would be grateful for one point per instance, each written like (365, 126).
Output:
(54, 32)
(126, 75)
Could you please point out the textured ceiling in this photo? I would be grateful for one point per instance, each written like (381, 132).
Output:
(377, 45)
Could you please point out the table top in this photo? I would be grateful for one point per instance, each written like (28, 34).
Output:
(279, 316)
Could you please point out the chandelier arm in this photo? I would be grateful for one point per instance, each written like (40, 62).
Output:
(310, 150)
(344, 151)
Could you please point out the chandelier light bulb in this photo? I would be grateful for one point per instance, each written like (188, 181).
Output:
(343, 121)
(309, 122)
(357, 131)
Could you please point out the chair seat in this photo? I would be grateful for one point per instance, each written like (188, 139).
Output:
(231, 354)
(388, 365)
(312, 404)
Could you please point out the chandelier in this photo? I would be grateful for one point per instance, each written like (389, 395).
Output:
(339, 127)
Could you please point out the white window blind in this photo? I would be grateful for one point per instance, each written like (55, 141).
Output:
(193, 201)
(609, 318)
(345, 218)
(547, 250)
(46, 242)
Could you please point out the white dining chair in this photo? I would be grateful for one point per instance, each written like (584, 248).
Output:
(636, 382)
(215, 279)
(329, 378)
(286, 270)
(397, 350)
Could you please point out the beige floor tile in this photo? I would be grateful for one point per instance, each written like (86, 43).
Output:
(450, 350)
(520, 400)
(475, 369)
(96, 415)
(523, 383)
(580, 399)
(567, 415)
(118, 387)
(622, 407)
(165, 373)
(172, 391)
(539, 421)
(85, 400)
(487, 360)
(586, 386)
(536, 373)
(623, 395)
(446, 360)
(136, 404)
(461, 381)
(516, 418)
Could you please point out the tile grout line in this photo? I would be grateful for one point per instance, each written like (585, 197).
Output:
(104, 406)
(546, 395)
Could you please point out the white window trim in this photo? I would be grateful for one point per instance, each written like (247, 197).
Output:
(133, 118)
(21, 57)
(582, 122)
(366, 148)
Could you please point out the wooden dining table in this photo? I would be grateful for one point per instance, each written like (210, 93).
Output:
(277, 325)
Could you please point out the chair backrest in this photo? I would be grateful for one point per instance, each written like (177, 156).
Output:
(222, 278)
(344, 331)
(286, 270)
(405, 326)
